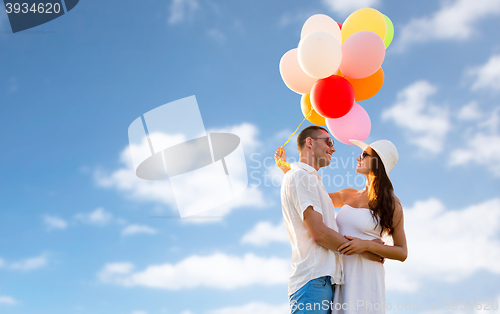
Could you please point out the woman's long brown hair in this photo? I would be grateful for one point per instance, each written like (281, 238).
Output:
(380, 194)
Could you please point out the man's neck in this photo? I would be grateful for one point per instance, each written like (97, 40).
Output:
(308, 159)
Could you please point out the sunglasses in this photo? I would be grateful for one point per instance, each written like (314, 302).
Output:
(363, 155)
(329, 140)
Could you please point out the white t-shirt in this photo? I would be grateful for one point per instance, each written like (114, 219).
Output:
(302, 187)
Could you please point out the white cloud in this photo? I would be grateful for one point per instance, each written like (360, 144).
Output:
(137, 229)
(252, 196)
(482, 149)
(26, 264)
(492, 124)
(247, 132)
(482, 146)
(253, 308)
(487, 76)
(264, 233)
(53, 222)
(181, 10)
(424, 123)
(470, 111)
(455, 20)
(491, 307)
(7, 300)
(99, 217)
(285, 134)
(125, 180)
(273, 176)
(139, 312)
(446, 245)
(215, 271)
(114, 269)
(347, 7)
(216, 35)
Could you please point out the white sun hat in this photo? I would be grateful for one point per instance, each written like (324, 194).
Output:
(385, 149)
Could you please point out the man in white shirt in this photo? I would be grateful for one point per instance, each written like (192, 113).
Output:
(310, 222)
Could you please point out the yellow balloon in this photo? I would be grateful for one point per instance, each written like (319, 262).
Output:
(366, 19)
(305, 106)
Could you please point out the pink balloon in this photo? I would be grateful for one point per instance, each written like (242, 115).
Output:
(292, 74)
(354, 125)
(362, 54)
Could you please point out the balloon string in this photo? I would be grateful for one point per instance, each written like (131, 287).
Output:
(280, 162)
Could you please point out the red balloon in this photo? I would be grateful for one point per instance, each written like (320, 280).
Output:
(332, 97)
(340, 25)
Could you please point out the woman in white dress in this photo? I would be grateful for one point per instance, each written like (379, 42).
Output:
(365, 215)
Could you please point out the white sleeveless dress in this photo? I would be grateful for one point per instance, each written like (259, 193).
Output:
(364, 288)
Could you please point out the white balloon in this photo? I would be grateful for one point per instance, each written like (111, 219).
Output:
(320, 54)
(324, 23)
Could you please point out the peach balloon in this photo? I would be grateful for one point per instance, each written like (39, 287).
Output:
(362, 55)
(367, 87)
(292, 74)
(306, 107)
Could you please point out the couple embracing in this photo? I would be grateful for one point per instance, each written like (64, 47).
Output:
(337, 262)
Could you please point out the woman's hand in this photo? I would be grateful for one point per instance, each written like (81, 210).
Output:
(354, 246)
(281, 155)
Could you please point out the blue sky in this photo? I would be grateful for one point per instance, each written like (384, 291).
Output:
(76, 228)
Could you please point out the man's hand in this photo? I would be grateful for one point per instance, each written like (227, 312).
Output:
(354, 246)
(374, 257)
(281, 155)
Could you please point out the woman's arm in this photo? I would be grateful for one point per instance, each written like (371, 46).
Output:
(398, 251)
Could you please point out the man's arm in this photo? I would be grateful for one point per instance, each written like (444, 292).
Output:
(319, 232)
(328, 237)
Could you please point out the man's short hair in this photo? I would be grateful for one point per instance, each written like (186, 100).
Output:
(310, 131)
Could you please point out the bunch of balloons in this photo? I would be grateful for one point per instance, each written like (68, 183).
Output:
(336, 65)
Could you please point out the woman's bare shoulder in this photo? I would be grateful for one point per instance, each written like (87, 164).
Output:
(398, 207)
(346, 194)
(397, 202)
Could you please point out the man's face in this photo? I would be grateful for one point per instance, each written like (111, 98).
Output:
(323, 148)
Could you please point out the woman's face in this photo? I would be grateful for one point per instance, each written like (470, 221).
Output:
(364, 161)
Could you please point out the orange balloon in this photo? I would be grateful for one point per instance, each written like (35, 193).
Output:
(367, 87)
(305, 106)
